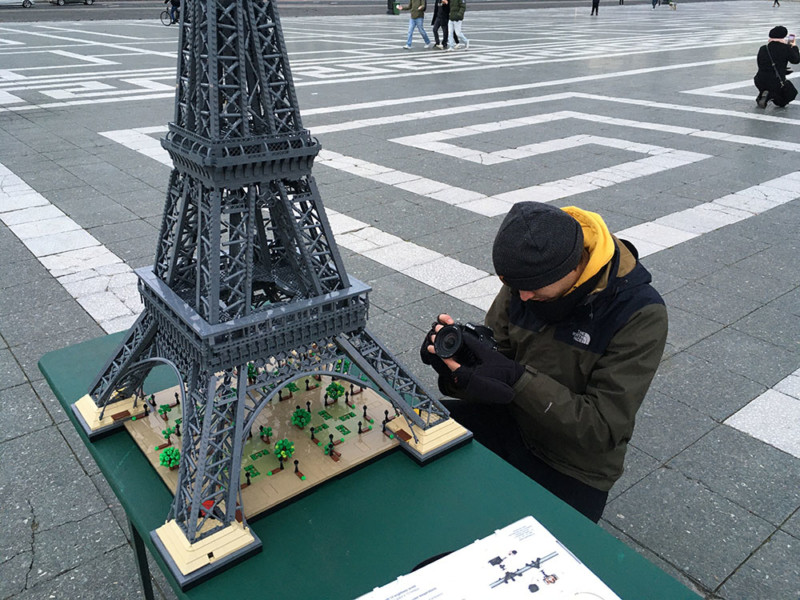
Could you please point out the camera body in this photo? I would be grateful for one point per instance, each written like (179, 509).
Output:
(449, 340)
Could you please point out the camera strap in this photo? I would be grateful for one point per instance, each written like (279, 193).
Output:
(778, 75)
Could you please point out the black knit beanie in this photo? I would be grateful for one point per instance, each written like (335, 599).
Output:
(778, 32)
(536, 245)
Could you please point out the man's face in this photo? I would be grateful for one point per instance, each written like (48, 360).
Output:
(553, 291)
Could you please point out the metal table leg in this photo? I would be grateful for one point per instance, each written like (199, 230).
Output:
(140, 554)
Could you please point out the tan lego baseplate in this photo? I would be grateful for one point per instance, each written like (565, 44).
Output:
(191, 557)
(270, 486)
(428, 440)
(114, 410)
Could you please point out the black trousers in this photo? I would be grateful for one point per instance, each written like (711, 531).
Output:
(595, 6)
(493, 426)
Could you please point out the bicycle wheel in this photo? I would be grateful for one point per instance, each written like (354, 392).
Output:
(165, 18)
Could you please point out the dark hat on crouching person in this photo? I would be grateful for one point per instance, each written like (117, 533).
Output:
(536, 245)
(778, 32)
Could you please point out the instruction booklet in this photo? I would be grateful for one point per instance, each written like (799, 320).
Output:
(523, 560)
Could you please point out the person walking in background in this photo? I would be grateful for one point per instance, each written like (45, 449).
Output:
(772, 62)
(441, 15)
(416, 18)
(776, 3)
(596, 5)
(457, 10)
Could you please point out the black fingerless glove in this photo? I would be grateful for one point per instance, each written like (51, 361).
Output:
(491, 378)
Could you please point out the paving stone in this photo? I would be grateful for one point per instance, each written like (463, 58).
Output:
(23, 327)
(710, 389)
(111, 576)
(363, 268)
(687, 328)
(637, 466)
(49, 401)
(702, 533)
(788, 303)
(22, 412)
(13, 574)
(654, 558)
(395, 333)
(36, 464)
(710, 303)
(39, 294)
(392, 291)
(755, 359)
(756, 286)
(27, 270)
(792, 525)
(29, 353)
(744, 470)
(757, 575)
(79, 448)
(665, 426)
(682, 262)
(772, 326)
(11, 374)
(67, 546)
(16, 529)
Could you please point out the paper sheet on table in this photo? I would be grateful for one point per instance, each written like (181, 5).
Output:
(523, 560)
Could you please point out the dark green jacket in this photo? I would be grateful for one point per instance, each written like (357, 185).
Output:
(416, 8)
(457, 9)
(585, 377)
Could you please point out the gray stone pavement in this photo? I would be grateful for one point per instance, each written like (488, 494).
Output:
(644, 115)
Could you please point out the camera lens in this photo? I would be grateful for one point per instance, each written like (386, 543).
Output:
(448, 341)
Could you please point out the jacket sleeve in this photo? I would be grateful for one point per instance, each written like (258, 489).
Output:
(497, 320)
(794, 55)
(603, 416)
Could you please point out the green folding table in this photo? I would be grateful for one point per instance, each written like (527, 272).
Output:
(362, 530)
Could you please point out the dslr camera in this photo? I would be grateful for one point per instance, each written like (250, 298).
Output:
(449, 340)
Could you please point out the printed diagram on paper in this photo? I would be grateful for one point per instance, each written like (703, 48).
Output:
(522, 560)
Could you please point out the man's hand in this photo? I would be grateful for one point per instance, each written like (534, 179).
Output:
(428, 355)
(491, 379)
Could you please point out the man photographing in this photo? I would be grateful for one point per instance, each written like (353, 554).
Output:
(579, 333)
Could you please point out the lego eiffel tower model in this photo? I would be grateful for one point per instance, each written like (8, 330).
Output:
(246, 272)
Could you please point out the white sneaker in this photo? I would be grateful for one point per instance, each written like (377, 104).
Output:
(429, 45)
(466, 46)
(449, 49)
(439, 47)
(459, 46)
(406, 47)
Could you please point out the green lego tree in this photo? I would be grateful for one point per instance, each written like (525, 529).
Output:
(301, 417)
(265, 433)
(335, 391)
(170, 457)
(292, 387)
(284, 449)
(163, 410)
(167, 432)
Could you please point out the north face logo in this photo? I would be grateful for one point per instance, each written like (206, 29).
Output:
(581, 337)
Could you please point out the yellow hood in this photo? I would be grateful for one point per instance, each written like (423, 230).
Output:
(597, 241)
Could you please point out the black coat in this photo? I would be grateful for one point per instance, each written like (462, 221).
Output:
(766, 78)
(442, 11)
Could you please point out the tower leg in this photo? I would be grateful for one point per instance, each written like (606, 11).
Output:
(112, 395)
